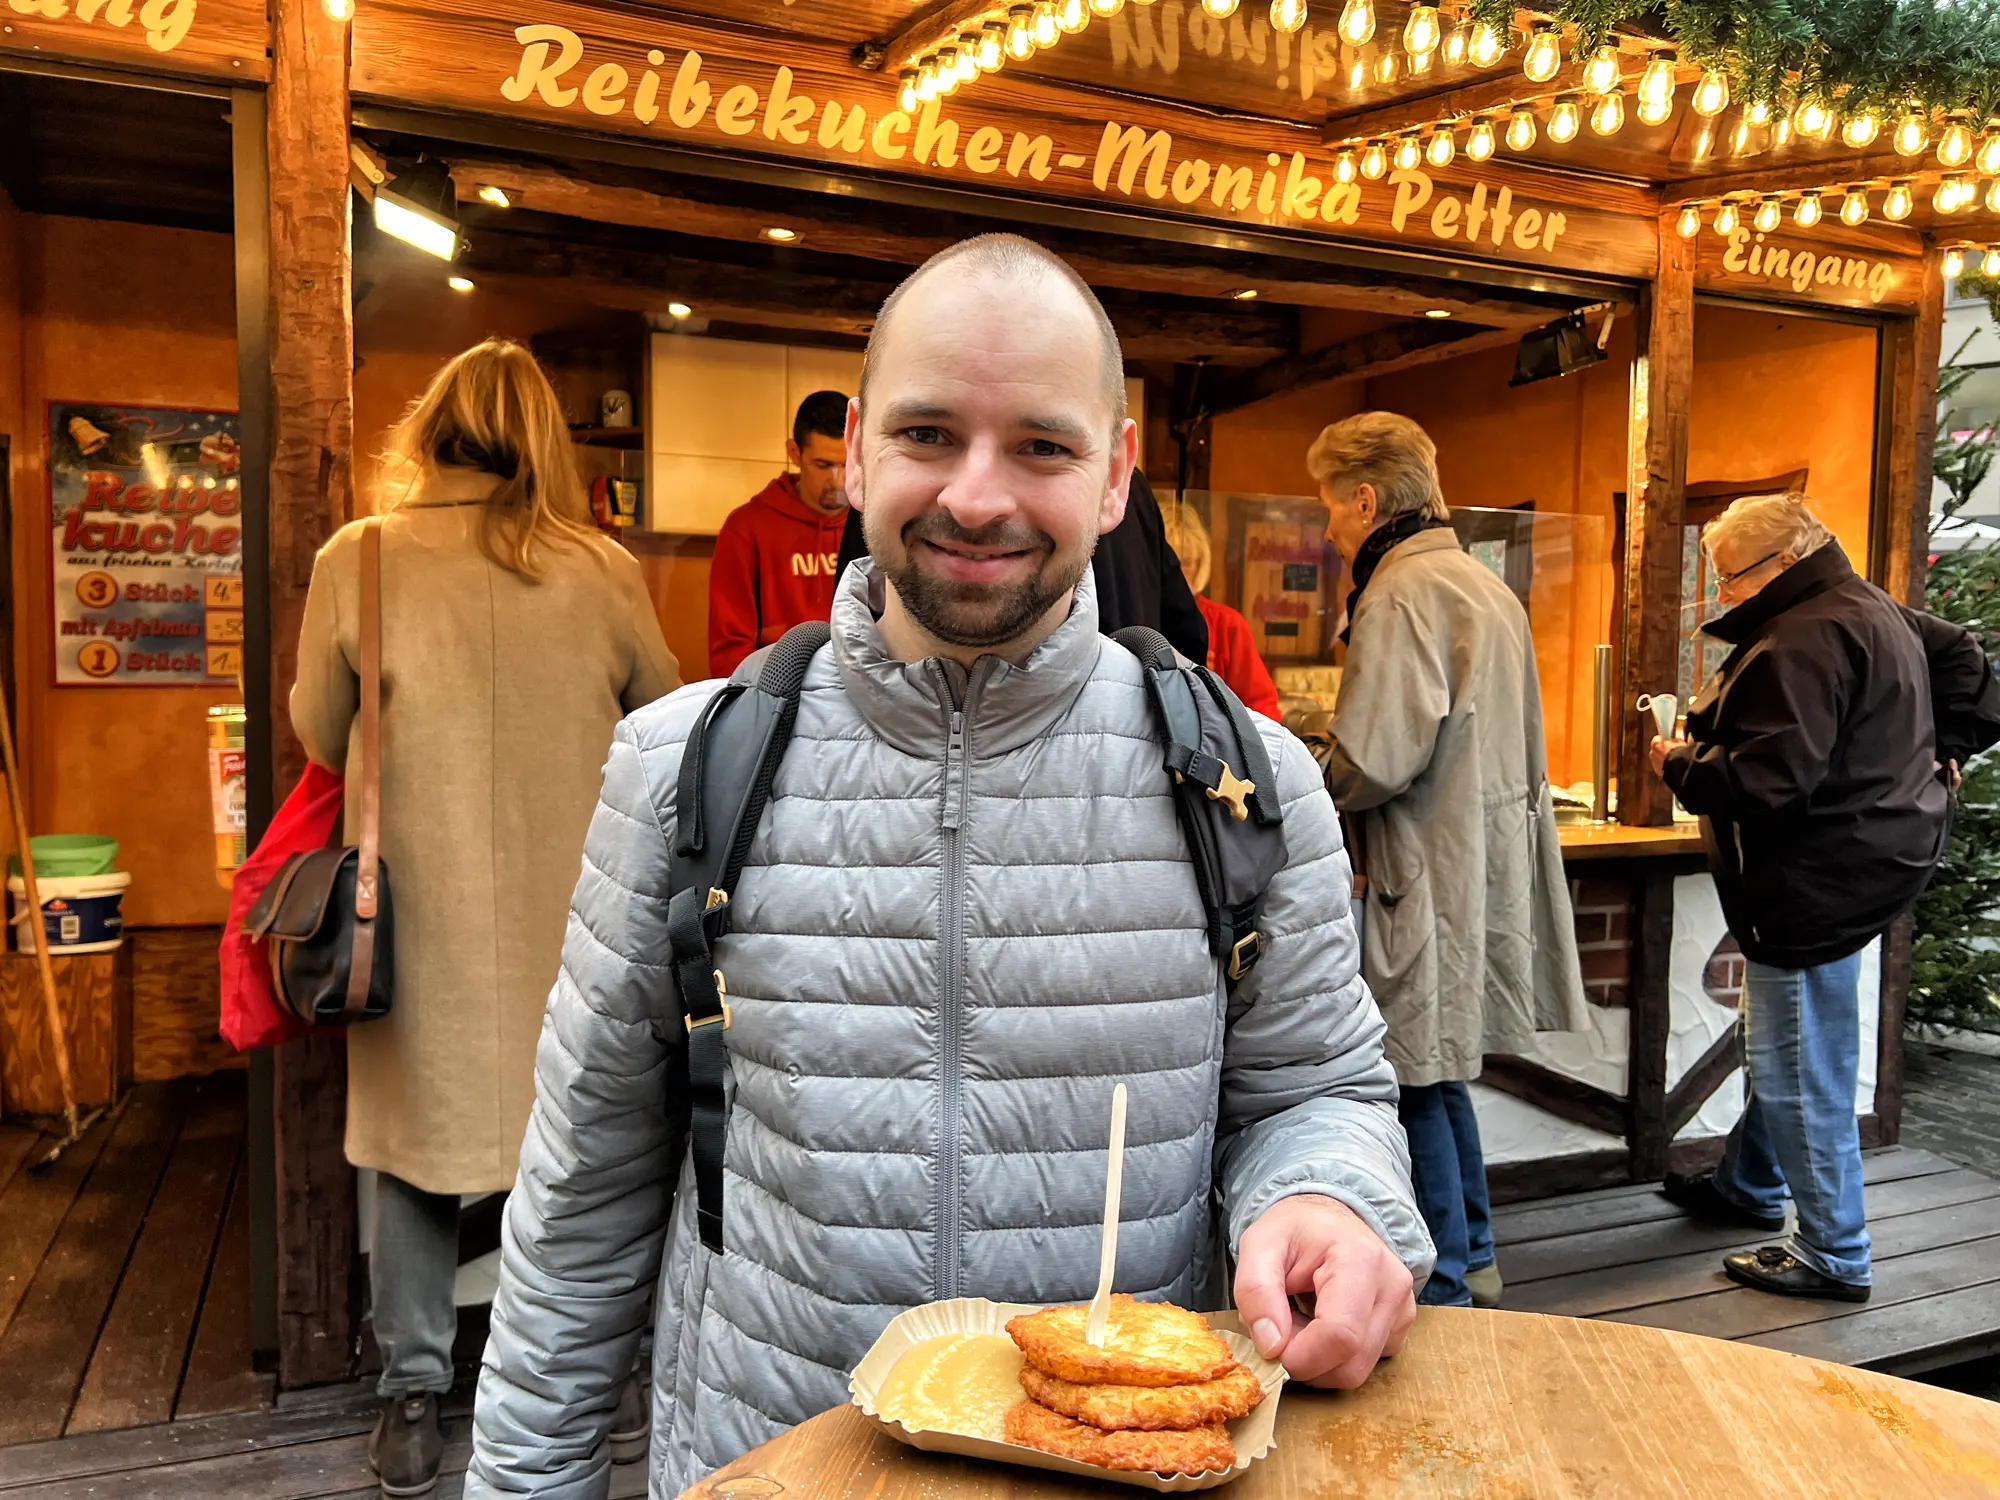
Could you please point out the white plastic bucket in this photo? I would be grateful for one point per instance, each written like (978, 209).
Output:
(83, 914)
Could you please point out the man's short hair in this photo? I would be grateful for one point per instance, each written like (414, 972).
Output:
(823, 412)
(1390, 452)
(1763, 524)
(1012, 257)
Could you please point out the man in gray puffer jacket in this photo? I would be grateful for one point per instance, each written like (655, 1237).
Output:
(967, 913)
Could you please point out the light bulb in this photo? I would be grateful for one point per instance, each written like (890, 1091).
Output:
(1479, 144)
(1989, 264)
(906, 96)
(1609, 116)
(1421, 32)
(1767, 215)
(1955, 145)
(1489, 44)
(1521, 128)
(947, 70)
(1725, 217)
(1222, 10)
(1288, 15)
(1860, 130)
(1781, 133)
(1711, 95)
(1656, 89)
(1911, 135)
(1442, 148)
(1357, 22)
(1814, 119)
(1897, 204)
(1993, 196)
(1704, 138)
(1688, 225)
(927, 78)
(1988, 159)
(1374, 162)
(1021, 32)
(993, 45)
(1344, 167)
(1740, 142)
(1074, 15)
(1954, 263)
(1387, 66)
(1048, 28)
(1600, 74)
(1106, 8)
(968, 56)
(1807, 213)
(1757, 112)
(1357, 77)
(1953, 193)
(1545, 54)
(1420, 63)
(497, 196)
(1408, 154)
(1455, 46)
(1565, 120)
(1854, 207)
(336, 10)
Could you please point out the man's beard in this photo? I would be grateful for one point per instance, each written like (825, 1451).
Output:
(978, 614)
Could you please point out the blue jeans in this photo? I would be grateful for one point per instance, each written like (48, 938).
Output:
(1803, 1050)
(1449, 1173)
(412, 1268)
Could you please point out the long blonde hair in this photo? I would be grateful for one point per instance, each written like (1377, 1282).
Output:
(491, 409)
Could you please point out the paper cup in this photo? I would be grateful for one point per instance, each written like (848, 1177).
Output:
(1665, 707)
(1253, 1436)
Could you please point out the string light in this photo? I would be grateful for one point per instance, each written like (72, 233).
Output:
(1955, 145)
(1711, 95)
(1048, 28)
(1544, 59)
(1421, 32)
(1807, 213)
(1814, 119)
(1757, 112)
(1954, 263)
(1988, 160)
(1489, 44)
(1357, 77)
(906, 95)
(1442, 148)
(1565, 120)
(1374, 162)
(1953, 193)
(1106, 8)
(1993, 197)
(1656, 89)
(1912, 134)
(1408, 153)
(1861, 129)
(1479, 144)
(1741, 141)
(1767, 215)
(1600, 74)
(1989, 264)
(1344, 167)
(1387, 66)
(336, 10)
(1021, 32)
(927, 77)
(993, 45)
(1456, 44)
(497, 196)
(1703, 139)
(947, 71)
(1521, 128)
(1420, 63)
(1357, 22)
(1609, 116)
(1781, 133)
(1854, 207)
(1222, 10)
(1898, 203)
(1725, 217)
(1288, 15)
(1688, 225)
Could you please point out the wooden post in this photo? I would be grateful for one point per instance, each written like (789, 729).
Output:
(1662, 386)
(1916, 348)
(312, 420)
(1647, 1135)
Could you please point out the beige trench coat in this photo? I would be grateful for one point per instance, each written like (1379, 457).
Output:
(499, 697)
(1468, 940)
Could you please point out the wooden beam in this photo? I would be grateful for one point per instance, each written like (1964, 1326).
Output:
(923, 30)
(1569, 1098)
(1791, 179)
(1525, 1181)
(310, 496)
(1715, 1065)
(1917, 348)
(1494, 92)
(1400, 346)
(1657, 446)
(1897, 952)
(1650, 1025)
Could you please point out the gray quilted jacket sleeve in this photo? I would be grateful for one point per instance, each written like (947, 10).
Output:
(597, 1166)
(1308, 1099)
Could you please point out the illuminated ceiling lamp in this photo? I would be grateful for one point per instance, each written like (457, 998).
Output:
(1073, 15)
(1048, 26)
(1565, 120)
(1374, 161)
(1898, 203)
(1989, 263)
(1766, 218)
(1808, 212)
(1814, 119)
(1020, 32)
(1443, 146)
(1479, 144)
(1711, 95)
(1600, 74)
(1912, 133)
(1955, 145)
(1106, 8)
(1544, 57)
(417, 209)
(1656, 89)
(1222, 10)
(1357, 22)
(1860, 129)
(1288, 15)
(1608, 118)
(1422, 33)
(1954, 263)
(1521, 127)
(1688, 225)
(1725, 217)
(1854, 207)
(1489, 44)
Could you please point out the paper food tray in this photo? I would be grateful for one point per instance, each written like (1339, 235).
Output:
(1253, 1436)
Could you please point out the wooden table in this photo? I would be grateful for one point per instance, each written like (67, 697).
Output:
(1505, 1406)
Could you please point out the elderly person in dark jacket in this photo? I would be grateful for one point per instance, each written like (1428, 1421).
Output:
(1810, 759)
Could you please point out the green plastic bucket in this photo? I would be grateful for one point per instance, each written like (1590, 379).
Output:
(70, 856)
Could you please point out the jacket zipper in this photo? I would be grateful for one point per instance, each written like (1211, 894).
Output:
(951, 996)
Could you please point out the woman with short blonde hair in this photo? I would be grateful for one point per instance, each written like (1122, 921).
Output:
(514, 638)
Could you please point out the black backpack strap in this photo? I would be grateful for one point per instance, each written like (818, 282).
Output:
(1224, 790)
(727, 769)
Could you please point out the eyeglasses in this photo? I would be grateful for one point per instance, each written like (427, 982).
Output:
(1724, 580)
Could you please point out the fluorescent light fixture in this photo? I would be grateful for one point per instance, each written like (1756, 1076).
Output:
(415, 224)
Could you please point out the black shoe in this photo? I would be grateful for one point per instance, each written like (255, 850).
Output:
(406, 1447)
(1776, 1269)
(1697, 1193)
(632, 1428)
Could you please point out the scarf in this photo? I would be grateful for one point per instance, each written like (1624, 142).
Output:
(1378, 545)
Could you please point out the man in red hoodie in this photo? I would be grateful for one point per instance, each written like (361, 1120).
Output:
(775, 558)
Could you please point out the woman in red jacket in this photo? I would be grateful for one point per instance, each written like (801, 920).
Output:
(1232, 650)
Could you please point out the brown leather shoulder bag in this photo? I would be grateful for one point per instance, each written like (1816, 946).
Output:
(327, 915)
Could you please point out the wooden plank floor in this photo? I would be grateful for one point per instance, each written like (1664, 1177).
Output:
(124, 1285)
(1629, 1255)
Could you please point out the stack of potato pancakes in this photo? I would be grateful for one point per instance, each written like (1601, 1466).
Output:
(1154, 1396)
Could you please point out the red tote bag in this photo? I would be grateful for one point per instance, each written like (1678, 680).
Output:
(251, 1014)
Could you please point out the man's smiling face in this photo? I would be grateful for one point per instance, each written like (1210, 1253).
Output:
(986, 456)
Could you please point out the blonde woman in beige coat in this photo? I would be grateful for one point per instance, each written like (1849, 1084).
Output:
(514, 638)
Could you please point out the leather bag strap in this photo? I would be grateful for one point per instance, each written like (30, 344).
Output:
(361, 969)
